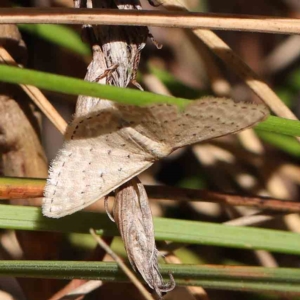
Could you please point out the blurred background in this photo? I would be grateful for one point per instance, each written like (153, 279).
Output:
(250, 163)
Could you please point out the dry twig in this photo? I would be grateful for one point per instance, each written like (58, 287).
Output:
(120, 263)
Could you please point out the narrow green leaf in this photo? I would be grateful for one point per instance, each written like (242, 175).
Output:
(280, 125)
(282, 142)
(30, 218)
(74, 86)
(59, 35)
(258, 279)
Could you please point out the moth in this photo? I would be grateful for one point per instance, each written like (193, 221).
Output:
(121, 45)
(132, 214)
(106, 148)
(108, 144)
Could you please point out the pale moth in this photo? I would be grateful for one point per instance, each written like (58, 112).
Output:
(104, 149)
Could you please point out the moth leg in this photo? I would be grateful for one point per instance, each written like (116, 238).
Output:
(107, 208)
(136, 84)
(160, 254)
(134, 72)
(167, 287)
(164, 287)
(156, 44)
(107, 73)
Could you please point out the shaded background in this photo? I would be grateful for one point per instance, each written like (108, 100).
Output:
(267, 164)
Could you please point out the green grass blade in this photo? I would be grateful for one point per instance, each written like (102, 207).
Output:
(280, 125)
(282, 142)
(74, 86)
(218, 277)
(30, 218)
(59, 35)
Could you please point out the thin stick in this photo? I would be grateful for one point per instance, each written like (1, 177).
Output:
(221, 49)
(120, 263)
(182, 194)
(15, 188)
(150, 18)
(250, 220)
(84, 289)
(83, 286)
(37, 97)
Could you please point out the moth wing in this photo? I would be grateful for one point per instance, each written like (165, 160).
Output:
(151, 121)
(95, 159)
(201, 120)
(210, 118)
(133, 217)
